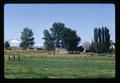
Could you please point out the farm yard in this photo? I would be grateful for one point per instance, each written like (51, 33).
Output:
(59, 42)
(40, 64)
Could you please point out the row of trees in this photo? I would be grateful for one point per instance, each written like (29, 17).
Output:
(63, 37)
(101, 40)
(60, 36)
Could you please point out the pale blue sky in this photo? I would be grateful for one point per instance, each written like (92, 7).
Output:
(80, 17)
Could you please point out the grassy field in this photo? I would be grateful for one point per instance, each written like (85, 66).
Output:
(38, 64)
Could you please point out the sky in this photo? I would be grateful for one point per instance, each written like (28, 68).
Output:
(80, 17)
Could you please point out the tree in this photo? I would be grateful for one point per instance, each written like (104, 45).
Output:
(91, 48)
(56, 32)
(96, 39)
(101, 39)
(70, 39)
(107, 40)
(7, 45)
(27, 39)
(49, 43)
(103, 35)
(80, 48)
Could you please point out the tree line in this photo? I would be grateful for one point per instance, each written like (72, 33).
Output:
(101, 39)
(60, 36)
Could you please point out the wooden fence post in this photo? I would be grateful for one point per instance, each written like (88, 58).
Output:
(19, 57)
(13, 57)
(9, 57)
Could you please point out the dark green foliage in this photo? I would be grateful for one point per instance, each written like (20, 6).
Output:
(39, 48)
(101, 40)
(27, 39)
(7, 45)
(91, 48)
(61, 37)
(99, 35)
(107, 40)
(49, 44)
(56, 32)
(96, 39)
(96, 35)
(70, 39)
(103, 35)
(80, 48)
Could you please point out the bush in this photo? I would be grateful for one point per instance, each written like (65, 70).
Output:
(81, 49)
(39, 48)
(7, 45)
(8, 48)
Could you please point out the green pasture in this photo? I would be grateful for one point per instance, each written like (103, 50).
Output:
(40, 64)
